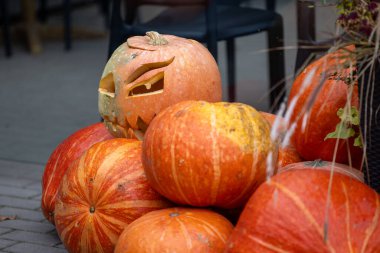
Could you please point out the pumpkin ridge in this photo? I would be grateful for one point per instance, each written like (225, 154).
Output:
(111, 189)
(118, 154)
(267, 245)
(215, 156)
(298, 202)
(369, 231)
(347, 205)
(173, 166)
(208, 227)
(46, 202)
(71, 225)
(185, 233)
(253, 170)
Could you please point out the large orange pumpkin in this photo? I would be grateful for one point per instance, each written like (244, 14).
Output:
(296, 212)
(182, 230)
(102, 192)
(329, 78)
(62, 157)
(148, 73)
(207, 154)
(286, 154)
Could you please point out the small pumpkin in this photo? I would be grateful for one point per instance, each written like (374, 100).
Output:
(182, 230)
(207, 154)
(147, 74)
(305, 210)
(62, 157)
(101, 193)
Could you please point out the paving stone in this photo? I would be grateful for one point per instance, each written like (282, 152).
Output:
(31, 237)
(17, 192)
(16, 182)
(37, 197)
(27, 226)
(33, 248)
(61, 246)
(36, 185)
(14, 169)
(22, 214)
(34, 174)
(4, 230)
(19, 202)
(6, 243)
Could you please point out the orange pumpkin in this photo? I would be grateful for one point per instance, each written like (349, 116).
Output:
(207, 154)
(102, 192)
(330, 95)
(182, 230)
(287, 154)
(296, 212)
(148, 73)
(62, 157)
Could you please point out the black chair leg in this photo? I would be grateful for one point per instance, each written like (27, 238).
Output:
(306, 31)
(104, 8)
(42, 13)
(276, 64)
(6, 27)
(212, 46)
(231, 70)
(119, 32)
(67, 25)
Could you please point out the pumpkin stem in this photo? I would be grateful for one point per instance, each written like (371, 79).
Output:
(156, 39)
(316, 163)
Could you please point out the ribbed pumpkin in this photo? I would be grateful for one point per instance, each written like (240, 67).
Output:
(102, 192)
(62, 157)
(322, 119)
(296, 212)
(286, 154)
(182, 230)
(207, 154)
(148, 73)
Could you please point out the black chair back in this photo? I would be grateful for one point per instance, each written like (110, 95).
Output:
(235, 21)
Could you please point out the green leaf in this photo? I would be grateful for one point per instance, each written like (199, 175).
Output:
(341, 132)
(358, 142)
(349, 116)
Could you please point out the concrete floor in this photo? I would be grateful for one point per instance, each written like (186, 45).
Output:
(46, 97)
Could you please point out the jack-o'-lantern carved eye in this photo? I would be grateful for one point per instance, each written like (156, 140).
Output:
(145, 68)
(107, 84)
(151, 86)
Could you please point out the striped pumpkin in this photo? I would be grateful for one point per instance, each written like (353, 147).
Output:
(182, 230)
(207, 154)
(60, 160)
(102, 192)
(296, 212)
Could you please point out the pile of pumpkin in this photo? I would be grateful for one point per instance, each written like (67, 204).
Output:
(172, 168)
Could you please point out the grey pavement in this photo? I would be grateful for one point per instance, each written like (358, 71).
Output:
(20, 194)
(46, 97)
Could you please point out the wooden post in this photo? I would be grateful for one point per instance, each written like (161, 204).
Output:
(28, 8)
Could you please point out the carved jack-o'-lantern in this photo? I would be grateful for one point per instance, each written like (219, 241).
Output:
(149, 73)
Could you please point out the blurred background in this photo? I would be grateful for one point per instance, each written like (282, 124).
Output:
(48, 91)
